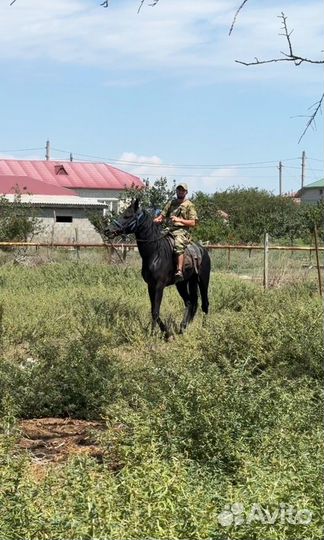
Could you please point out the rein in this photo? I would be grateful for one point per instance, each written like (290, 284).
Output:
(133, 226)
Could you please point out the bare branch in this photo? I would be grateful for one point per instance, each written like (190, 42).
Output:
(286, 33)
(257, 61)
(140, 6)
(151, 5)
(105, 4)
(312, 118)
(287, 57)
(235, 16)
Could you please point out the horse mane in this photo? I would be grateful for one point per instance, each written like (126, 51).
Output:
(149, 228)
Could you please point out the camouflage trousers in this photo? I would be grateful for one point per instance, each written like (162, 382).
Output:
(182, 238)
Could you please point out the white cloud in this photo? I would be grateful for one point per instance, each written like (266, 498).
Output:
(172, 39)
(152, 167)
(217, 180)
(144, 166)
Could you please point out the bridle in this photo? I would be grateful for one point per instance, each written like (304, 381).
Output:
(132, 225)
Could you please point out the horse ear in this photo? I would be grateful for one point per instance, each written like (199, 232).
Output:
(136, 205)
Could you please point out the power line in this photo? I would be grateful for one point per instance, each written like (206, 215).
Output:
(164, 166)
(315, 159)
(289, 167)
(21, 150)
(171, 165)
(167, 166)
(256, 165)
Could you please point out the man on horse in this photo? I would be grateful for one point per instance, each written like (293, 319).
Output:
(182, 216)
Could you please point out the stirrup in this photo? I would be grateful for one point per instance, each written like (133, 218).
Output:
(178, 276)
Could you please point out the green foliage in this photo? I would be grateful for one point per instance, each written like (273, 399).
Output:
(152, 197)
(310, 215)
(17, 220)
(100, 221)
(252, 213)
(228, 413)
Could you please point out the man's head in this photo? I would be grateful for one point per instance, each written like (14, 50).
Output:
(181, 190)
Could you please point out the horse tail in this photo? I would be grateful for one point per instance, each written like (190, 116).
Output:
(203, 280)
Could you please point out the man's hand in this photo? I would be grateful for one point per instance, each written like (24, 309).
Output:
(176, 219)
(185, 222)
(159, 219)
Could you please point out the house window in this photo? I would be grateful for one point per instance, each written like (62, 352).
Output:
(64, 219)
(321, 192)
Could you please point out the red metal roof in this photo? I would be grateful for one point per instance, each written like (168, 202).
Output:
(26, 184)
(71, 174)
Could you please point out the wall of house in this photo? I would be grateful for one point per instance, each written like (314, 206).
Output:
(100, 194)
(312, 195)
(111, 197)
(78, 230)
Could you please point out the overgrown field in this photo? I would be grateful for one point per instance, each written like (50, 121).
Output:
(229, 414)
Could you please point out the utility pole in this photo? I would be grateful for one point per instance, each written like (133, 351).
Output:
(303, 169)
(47, 155)
(280, 178)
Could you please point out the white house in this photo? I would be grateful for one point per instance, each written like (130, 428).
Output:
(312, 193)
(64, 193)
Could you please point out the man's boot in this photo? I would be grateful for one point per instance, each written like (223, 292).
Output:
(179, 273)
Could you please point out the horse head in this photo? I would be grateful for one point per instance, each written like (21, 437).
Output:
(128, 221)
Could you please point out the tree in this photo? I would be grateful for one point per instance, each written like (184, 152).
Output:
(17, 220)
(253, 212)
(289, 56)
(152, 197)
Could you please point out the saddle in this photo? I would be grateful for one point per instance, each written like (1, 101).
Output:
(193, 255)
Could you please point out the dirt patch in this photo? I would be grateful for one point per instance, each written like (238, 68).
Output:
(51, 440)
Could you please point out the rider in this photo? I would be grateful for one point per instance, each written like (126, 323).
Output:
(183, 216)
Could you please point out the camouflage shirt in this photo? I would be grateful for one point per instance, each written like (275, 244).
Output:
(182, 209)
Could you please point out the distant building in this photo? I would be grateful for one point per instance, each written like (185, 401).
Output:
(64, 193)
(312, 193)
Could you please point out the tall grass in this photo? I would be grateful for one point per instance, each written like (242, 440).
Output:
(229, 413)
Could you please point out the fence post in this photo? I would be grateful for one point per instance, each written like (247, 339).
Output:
(77, 241)
(318, 261)
(265, 260)
(228, 258)
(109, 254)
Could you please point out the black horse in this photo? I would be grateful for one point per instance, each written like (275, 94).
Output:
(158, 264)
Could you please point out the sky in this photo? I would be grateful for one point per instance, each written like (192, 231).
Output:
(158, 93)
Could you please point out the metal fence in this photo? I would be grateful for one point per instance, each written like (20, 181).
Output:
(268, 264)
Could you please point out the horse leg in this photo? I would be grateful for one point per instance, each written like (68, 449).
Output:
(203, 282)
(183, 291)
(193, 292)
(156, 294)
